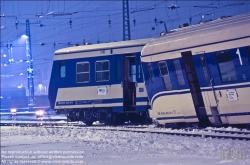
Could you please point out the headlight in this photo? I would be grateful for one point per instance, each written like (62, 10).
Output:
(13, 110)
(39, 113)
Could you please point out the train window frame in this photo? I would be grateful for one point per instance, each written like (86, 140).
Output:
(205, 68)
(166, 68)
(102, 70)
(62, 72)
(178, 74)
(85, 62)
(140, 72)
(220, 66)
(151, 72)
(165, 78)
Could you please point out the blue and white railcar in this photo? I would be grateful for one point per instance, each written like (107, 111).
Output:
(200, 73)
(101, 82)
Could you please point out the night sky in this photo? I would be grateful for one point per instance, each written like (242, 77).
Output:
(59, 24)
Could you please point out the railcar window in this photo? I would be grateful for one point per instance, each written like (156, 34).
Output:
(82, 72)
(205, 68)
(165, 75)
(102, 70)
(226, 66)
(163, 68)
(62, 70)
(139, 71)
(151, 72)
(132, 73)
(118, 69)
(178, 71)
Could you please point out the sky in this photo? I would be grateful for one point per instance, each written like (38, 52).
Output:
(67, 23)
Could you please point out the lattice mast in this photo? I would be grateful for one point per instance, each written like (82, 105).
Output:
(30, 71)
(126, 21)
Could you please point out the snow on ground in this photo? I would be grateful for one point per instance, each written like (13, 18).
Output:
(191, 131)
(74, 145)
(228, 129)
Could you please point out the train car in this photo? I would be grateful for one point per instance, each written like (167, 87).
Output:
(101, 82)
(200, 74)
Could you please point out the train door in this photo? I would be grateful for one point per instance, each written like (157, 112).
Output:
(129, 82)
(211, 94)
(194, 86)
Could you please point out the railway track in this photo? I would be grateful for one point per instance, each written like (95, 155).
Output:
(181, 132)
(232, 132)
(212, 133)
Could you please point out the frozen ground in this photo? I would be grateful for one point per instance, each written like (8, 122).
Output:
(71, 145)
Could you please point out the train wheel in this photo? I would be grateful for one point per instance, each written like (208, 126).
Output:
(117, 119)
(89, 123)
(111, 119)
(68, 119)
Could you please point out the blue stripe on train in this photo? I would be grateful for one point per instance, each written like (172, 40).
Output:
(139, 108)
(233, 114)
(176, 117)
(84, 102)
(202, 90)
(99, 101)
(141, 99)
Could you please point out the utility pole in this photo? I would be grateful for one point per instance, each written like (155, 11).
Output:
(30, 70)
(126, 21)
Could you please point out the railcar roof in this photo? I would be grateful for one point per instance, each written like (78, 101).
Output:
(102, 46)
(200, 34)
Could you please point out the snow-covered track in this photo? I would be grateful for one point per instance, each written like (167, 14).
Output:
(213, 133)
(232, 132)
(180, 132)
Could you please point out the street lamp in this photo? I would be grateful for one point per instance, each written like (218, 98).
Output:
(13, 115)
(24, 36)
(13, 111)
(40, 88)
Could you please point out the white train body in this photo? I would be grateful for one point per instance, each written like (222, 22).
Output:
(200, 73)
(101, 82)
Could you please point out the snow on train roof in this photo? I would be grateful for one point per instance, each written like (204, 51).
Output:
(220, 30)
(110, 45)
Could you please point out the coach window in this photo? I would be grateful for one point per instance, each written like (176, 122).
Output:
(118, 69)
(62, 69)
(205, 67)
(139, 73)
(165, 75)
(226, 66)
(82, 72)
(102, 70)
(178, 71)
(151, 72)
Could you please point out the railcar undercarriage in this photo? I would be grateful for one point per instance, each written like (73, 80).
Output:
(105, 115)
